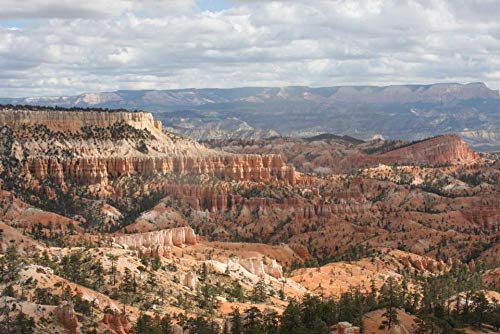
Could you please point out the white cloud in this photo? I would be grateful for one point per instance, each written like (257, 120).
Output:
(64, 47)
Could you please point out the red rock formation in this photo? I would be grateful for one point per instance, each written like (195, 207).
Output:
(270, 168)
(222, 198)
(423, 264)
(434, 151)
(65, 315)
(119, 324)
(325, 156)
(99, 160)
(345, 327)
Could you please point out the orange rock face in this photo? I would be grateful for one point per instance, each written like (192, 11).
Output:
(325, 156)
(435, 151)
(440, 150)
(117, 323)
(65, 315)
(57, 145)
(270, 168)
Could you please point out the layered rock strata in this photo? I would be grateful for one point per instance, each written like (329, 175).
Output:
(73, 153)
(73, 121)
(270, 168)
(434, 151)
(157, 242)
(221, 199)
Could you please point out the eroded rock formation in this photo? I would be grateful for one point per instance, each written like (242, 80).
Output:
(157, 242)
(189, 279)
(94, 147)
(270, 168)
(65, 315)
(119, 324)
(63, 120)
(423, 264)
(434, 151)
(257, 267)
(332, 154)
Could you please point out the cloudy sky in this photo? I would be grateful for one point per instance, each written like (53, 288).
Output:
(66, 47)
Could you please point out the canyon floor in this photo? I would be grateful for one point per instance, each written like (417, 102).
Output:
(111, 224)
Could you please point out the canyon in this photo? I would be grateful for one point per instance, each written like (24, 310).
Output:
(114, 217)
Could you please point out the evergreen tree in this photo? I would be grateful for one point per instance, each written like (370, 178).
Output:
(259, 292)
(253, 321)
(480, 308)
(237, 292)
(291, 320)
(389, 300)
(166, 325)
(236, 323)
(270, 322)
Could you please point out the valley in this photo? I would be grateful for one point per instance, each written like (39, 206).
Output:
(112, 223)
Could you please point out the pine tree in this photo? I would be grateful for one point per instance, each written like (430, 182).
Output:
(259, 292)
(253, 321)
(389, 296)
(480, 308)
(291, 321)
(236, 323)
(237, 292)
(113, 259)
(270, 322)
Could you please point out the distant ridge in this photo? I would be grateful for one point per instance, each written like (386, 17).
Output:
(406, 112)
(331, 136)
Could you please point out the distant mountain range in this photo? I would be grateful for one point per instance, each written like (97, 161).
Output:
(409, 112)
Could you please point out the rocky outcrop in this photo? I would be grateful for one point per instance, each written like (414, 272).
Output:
(119, 324)
(189, 280)
(257, 267)
(157, 242)
(73, 154)
(329, 154)
(270, 168)
(65, 315)
(64, 120)
(423, 264)
(274, 269)
(222, 198)
(434, 151)
(253, 265)
(345, 327)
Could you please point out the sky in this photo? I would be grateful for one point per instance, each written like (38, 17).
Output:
(67, 47)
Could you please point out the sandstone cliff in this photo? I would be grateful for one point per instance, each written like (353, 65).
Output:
(73, 121)
(330, 154)
(434, 151)
(95, 147)
(270, 168)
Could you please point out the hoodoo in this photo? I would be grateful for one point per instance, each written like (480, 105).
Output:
(95, 147)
